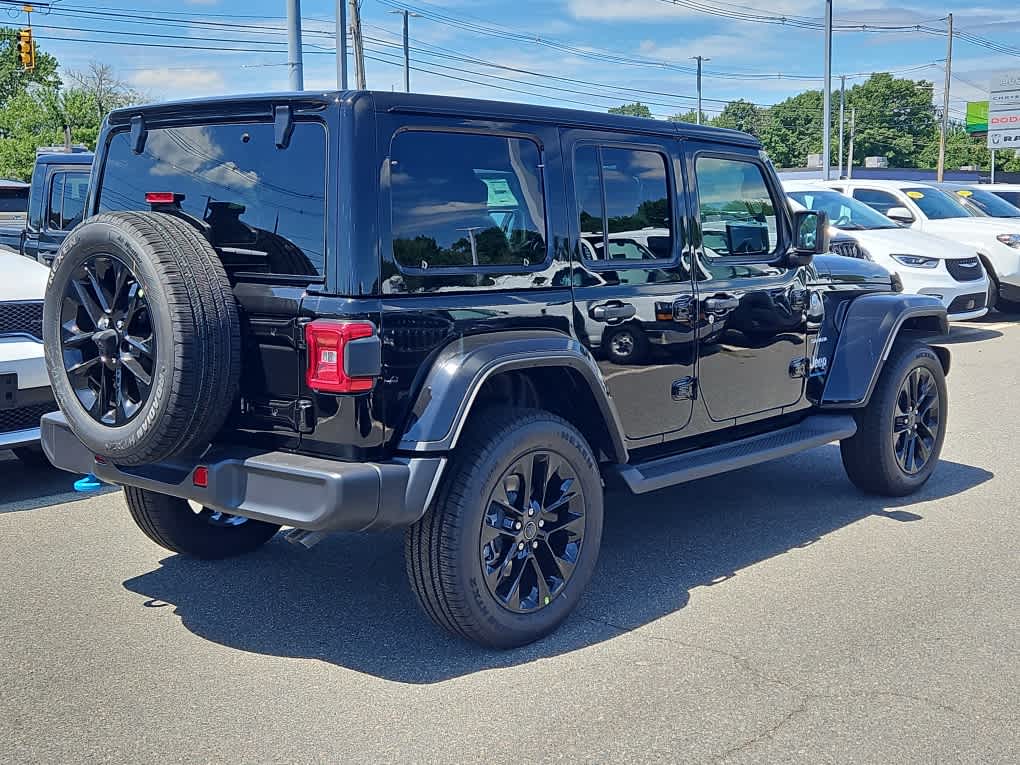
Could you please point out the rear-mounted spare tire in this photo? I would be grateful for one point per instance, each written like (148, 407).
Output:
(142, 337)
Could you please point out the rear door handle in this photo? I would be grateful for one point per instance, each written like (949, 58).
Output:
(721, 304)
(608, 311)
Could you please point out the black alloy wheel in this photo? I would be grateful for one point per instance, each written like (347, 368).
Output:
(532, 532)
(901, 430)
(917, 422)
(107, 340)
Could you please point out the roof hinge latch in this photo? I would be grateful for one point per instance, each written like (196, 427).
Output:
(283, 124)
(138, 134)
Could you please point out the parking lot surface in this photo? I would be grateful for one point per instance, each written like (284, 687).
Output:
(775, 614)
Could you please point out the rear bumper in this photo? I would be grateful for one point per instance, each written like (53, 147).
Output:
(277, 487)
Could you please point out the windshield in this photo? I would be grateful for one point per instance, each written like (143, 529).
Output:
(938, 205)
(988, 203)
(844, 213)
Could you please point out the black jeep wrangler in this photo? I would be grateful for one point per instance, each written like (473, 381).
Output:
(361, 311)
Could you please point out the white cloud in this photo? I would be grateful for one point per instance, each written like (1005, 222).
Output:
(169, 82)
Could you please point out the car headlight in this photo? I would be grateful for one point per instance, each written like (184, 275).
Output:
(916, 261)
(1010, 240)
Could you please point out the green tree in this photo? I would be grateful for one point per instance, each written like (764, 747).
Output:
(14, 79)
(793, 129)
(689, 116)
(742, 115)
(636, 109)
(895, 119)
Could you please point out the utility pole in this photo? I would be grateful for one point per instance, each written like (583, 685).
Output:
(850, 154)
(827, 97)
(295, 69)
(407, 49)
(842, 106)
(341, 44)
(699, 59)
(359, 45)
(945, 104)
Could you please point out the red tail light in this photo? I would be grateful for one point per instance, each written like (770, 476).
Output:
(160, 197)
(328, 370)
(201, 477)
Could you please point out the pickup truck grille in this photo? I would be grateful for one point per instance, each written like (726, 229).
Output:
(964, 269)
(849, 249)
(24, 418)
(21, 318)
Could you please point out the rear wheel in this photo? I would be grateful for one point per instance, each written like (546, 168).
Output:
(900, 433)
(189, 529)
(508, 547)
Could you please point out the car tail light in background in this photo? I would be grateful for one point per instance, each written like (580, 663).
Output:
(343, 356)
(200, 477)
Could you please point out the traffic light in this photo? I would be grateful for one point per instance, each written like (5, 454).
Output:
(26, 49)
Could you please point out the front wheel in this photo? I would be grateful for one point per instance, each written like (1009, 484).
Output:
(900, 432)
(510, 543)
(200, 532)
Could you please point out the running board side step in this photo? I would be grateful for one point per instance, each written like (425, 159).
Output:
(816, 430)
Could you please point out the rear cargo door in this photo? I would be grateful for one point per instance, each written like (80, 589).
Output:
(262, 205)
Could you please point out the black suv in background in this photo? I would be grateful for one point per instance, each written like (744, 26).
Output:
(361, 311)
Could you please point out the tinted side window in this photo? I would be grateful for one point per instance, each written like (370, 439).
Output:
(37, 206)
(623, 204)
(56, 195)
(263, 207)
(738, 216)
(13, 200)
(72, 199)
(464, 200)
(882, 201)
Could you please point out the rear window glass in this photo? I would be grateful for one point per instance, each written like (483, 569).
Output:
(466, 201)
(264, 207)
(14, 200)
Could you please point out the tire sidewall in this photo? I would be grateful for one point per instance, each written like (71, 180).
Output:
(94, 238)
(504, 626)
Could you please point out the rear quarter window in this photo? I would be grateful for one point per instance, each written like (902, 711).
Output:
(263, 207)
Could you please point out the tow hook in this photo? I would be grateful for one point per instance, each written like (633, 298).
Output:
(305, 538)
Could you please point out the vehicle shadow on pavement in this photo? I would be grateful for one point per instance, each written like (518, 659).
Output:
(347, 602)
(958, 335)
(30, 487)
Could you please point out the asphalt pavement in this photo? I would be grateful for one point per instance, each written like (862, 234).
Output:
(770, 615)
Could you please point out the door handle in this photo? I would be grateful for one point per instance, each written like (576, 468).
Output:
(721, 304)
(609, 311)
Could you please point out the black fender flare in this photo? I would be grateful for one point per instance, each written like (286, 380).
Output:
(867, 333)
(459, 371)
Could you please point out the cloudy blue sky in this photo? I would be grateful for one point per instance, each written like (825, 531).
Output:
(587, 53)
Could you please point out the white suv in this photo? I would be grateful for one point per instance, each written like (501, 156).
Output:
(24, 386)
(926, 208)
(927, 265)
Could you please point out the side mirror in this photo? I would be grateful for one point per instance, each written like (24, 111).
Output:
(900, 215)
(811, 236)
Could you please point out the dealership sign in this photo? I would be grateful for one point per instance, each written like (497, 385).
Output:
(1004, 111)
(1004, 139)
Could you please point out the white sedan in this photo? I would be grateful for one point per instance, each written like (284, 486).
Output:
(927, 265)
(24, 387)
(926, 208)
